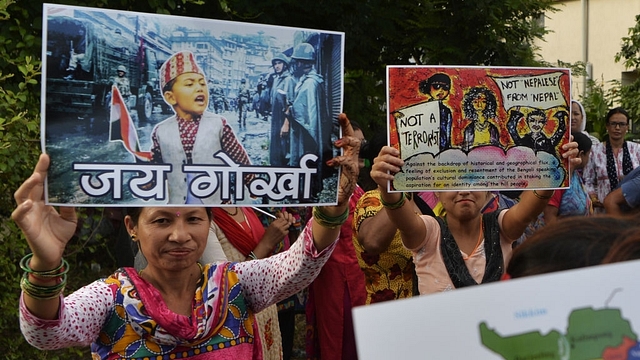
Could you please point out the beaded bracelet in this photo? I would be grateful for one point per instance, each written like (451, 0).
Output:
(57, 272)
(42, 292)
(395, 205)
(542, 197)
(327, 221)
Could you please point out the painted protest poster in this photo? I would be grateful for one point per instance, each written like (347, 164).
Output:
(479, 127)
(588, 313)
(146, 109)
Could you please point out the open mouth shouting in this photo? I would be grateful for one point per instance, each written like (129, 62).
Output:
(201, 99)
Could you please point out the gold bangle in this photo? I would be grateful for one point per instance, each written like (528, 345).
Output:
(542, 197)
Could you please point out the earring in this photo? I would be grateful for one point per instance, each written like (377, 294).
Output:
(134, 238)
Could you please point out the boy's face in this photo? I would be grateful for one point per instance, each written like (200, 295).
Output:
(189, 95)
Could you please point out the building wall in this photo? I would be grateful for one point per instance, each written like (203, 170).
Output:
(608, 22)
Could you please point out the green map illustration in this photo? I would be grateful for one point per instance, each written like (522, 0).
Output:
(591, 334)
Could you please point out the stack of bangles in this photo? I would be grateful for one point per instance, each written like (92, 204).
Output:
(398, 204)
(58, 276)
(327, 221)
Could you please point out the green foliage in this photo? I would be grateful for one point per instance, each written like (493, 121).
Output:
(81, 255)
(578, 68)
(630, 51)
(385, 32)
(19, 125)
(20, 44)
(630, 101)
(19, 104)
(630, 94)
(597, 103)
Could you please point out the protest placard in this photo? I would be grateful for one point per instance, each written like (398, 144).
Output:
(588, 313)
(147, 109)
(477, 128)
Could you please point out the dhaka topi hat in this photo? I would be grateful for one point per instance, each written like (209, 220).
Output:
(179, 63)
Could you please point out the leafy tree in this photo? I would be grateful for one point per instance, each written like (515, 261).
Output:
(20, 44)
(630, 56)
(596, 102)
(19, 144)
(384, 32)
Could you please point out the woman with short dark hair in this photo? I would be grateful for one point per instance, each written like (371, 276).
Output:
(612, 159)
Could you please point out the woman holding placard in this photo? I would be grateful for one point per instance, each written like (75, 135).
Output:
(175, 307)
(465, 247)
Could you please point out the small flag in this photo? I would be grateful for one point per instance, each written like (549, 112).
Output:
(122, 128)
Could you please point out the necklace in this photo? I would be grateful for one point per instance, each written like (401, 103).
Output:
(234, 214)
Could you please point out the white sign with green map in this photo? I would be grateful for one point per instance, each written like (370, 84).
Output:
(591, 334)
(581, 314)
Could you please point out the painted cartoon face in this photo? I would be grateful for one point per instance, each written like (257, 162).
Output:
(536, 123)
(617, 126)
(480, 102)
(189, 95)
(463, 204)
(439, 91)
(576, 117)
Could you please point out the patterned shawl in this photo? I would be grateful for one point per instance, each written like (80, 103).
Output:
(142, 327)
(612, 172)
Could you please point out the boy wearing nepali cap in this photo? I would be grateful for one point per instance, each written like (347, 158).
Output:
(192, 135)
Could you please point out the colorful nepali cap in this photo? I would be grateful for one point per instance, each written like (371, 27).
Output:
(179, 63)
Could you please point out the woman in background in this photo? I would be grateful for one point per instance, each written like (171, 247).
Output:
(612, 159)
(579, 121)
(243, 238)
